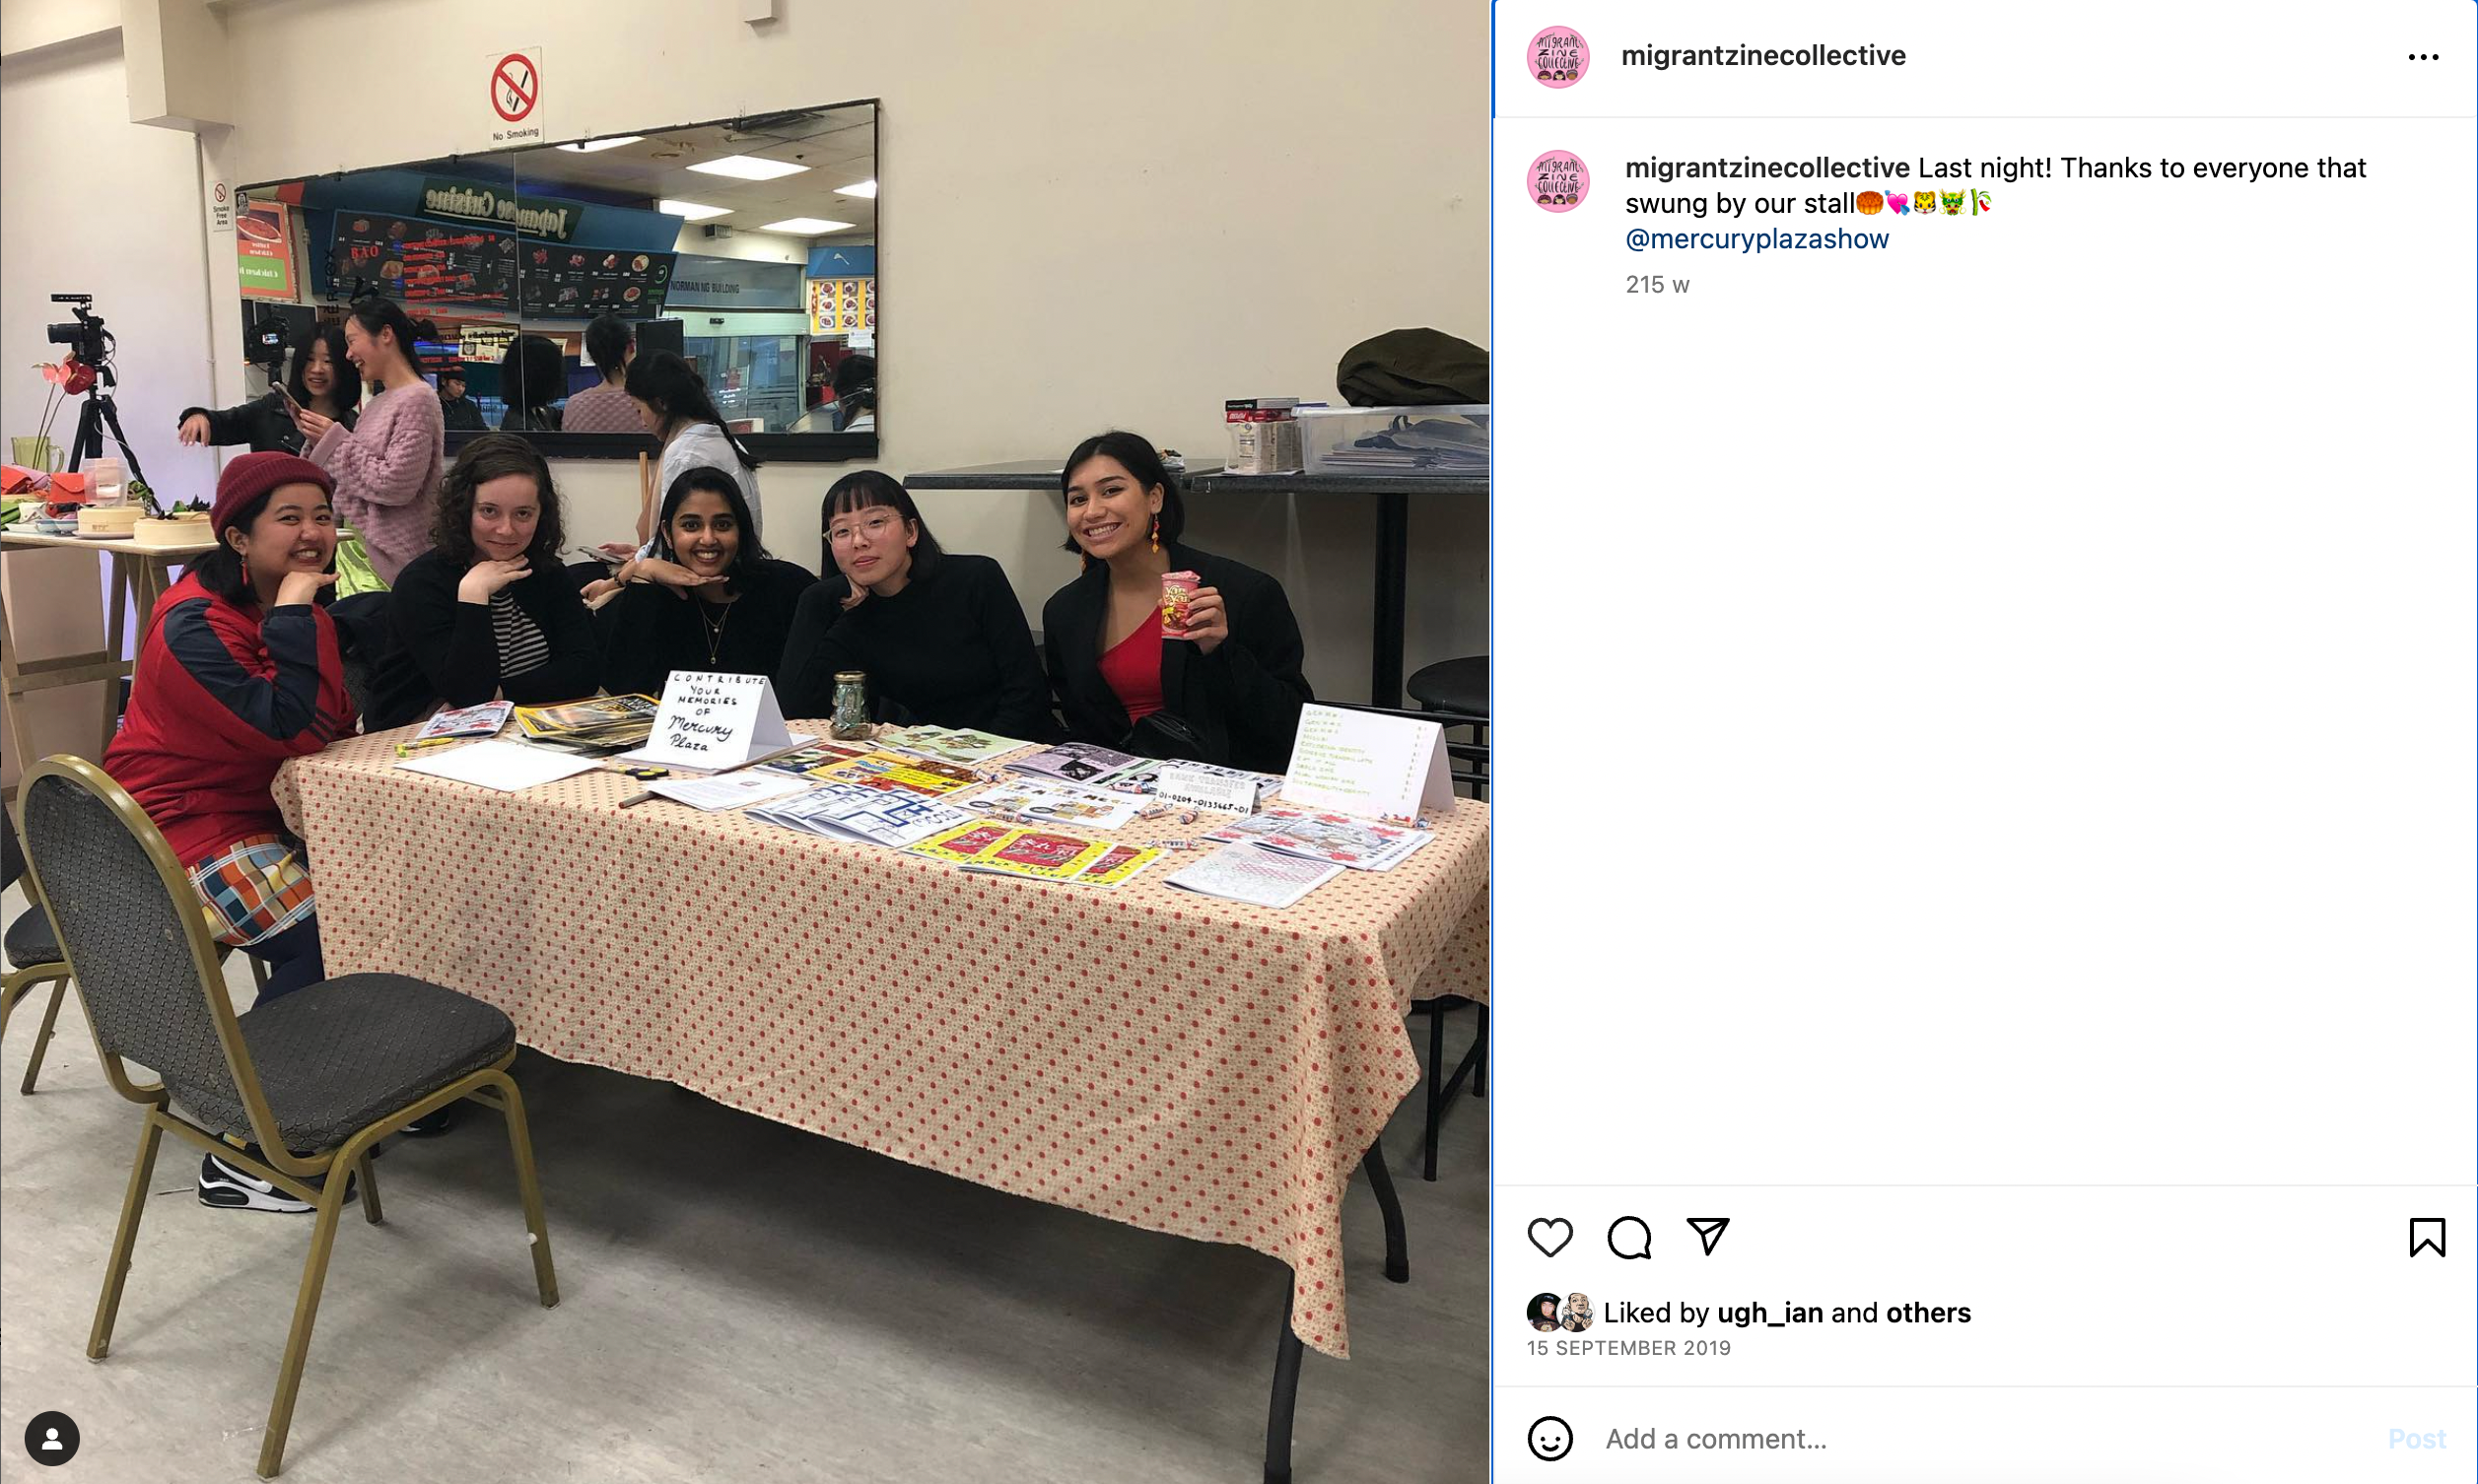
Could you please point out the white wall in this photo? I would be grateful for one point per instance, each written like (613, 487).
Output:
(1111, 214)
(110, 210)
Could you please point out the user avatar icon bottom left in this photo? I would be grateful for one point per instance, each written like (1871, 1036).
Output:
(1550, 1438)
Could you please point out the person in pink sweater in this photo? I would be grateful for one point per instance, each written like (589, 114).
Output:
(388, 465)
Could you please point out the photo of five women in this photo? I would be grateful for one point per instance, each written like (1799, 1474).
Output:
(249, 655)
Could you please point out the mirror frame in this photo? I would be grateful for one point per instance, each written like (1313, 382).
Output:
(774, 448)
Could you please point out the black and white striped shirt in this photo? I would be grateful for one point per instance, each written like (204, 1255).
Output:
(522, 647)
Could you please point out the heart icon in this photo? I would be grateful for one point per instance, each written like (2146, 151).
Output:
(1549, 1236)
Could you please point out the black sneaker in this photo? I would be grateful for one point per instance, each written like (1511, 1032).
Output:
(431, 1126)
(232, 1188)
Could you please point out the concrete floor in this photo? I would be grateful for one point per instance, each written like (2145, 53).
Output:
(739, 1301)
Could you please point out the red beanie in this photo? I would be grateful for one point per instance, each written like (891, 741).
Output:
(251, 475)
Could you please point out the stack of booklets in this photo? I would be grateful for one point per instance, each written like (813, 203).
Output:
(482, 720)
(1253, 874)
(848, 811)
(1363, 845)
(1083, 764)
(944, 744)
(924, 776)
(1000, 849)
(1146, 777)
(602, 726)
(817, 761)
(1042, 802)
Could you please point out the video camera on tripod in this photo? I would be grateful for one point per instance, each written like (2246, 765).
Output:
(92, 345)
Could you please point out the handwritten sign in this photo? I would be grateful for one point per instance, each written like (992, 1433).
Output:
(1359, 762)
(710, 721)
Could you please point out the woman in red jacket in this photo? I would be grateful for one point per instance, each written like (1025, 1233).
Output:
(241, 670)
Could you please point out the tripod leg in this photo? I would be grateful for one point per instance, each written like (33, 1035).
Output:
(110, 413)
(90, 432)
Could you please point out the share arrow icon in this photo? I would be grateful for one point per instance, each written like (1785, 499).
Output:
(1709, 1228)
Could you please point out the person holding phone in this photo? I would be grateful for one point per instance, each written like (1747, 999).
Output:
(386, 466)
(321, 380)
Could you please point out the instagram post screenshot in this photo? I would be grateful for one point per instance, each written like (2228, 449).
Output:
(1380, 743)
(1984, 589)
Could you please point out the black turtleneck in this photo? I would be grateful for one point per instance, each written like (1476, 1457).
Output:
(951, 649)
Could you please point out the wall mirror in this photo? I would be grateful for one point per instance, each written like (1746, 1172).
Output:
(747, 246)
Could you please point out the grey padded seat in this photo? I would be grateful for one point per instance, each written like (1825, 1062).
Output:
(30, 940)
(340, 1054)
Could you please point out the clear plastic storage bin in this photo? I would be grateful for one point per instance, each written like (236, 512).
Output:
(1396, 440)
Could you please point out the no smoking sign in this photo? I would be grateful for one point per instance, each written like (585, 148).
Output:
(516, 93)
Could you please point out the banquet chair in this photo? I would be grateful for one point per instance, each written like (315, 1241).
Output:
(328, 1069)
(34, 960)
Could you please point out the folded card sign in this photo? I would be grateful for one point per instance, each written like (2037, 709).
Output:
(1360, 763)
(711, 720)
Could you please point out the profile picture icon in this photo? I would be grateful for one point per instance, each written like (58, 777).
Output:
(1559, 180)
(1558, 56)
(1544, 1312)
(1575, 1316)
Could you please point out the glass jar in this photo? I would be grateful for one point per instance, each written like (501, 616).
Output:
(852, 707)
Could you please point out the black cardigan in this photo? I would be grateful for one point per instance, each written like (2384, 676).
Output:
(263, 425)
(454, 652)
(649, 631)
(951, 649)
(1242, 701)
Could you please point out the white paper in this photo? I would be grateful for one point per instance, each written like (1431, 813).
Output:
(711, 720)
(503, 766)
(1363, 845)
(1189, 787)
(1360, 763)
(1247, 873)
(728, 790)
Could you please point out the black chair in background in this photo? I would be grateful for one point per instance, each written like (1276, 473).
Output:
(34, 960)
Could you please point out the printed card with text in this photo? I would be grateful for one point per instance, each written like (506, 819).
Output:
(710, 720)
(1363, 763)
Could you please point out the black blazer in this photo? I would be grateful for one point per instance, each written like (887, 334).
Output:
(1242, 701)
(452, 648)
(264, 424)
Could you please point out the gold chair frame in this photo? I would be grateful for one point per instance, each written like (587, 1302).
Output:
(491, 1086)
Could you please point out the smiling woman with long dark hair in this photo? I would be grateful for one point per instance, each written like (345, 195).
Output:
(489, 612)
(734, 621)
(1228, 689)
(321, 380)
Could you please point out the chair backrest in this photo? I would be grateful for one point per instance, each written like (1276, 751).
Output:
(132, 933)
(12, 859)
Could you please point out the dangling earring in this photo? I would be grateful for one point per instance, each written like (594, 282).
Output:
(1157, 533)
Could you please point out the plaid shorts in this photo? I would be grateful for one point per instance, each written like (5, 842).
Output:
(254, 888)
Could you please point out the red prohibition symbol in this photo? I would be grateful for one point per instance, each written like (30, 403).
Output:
(515, 85)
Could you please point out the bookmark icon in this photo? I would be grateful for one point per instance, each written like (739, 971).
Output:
(1709, 1229)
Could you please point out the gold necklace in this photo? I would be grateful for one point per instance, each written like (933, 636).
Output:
(714, 633)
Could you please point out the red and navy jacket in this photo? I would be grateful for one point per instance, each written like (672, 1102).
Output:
(225, 692)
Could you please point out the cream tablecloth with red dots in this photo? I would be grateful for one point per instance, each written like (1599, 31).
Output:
(1174, 1061)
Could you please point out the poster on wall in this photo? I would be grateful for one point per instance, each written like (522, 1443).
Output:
(843, 305)
(264, 250)
(420, 262)
(564, 282)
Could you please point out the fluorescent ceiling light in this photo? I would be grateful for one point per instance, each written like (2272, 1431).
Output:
(861, 188)
(749, 168)
(592, 144)
(804, 227)
(691, 210)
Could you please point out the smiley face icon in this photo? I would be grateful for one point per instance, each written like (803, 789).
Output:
(1550, 1438)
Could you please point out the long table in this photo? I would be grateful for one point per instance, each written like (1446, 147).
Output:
(1170, 1060)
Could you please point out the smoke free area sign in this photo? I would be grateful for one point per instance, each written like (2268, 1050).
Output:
(515, 96)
